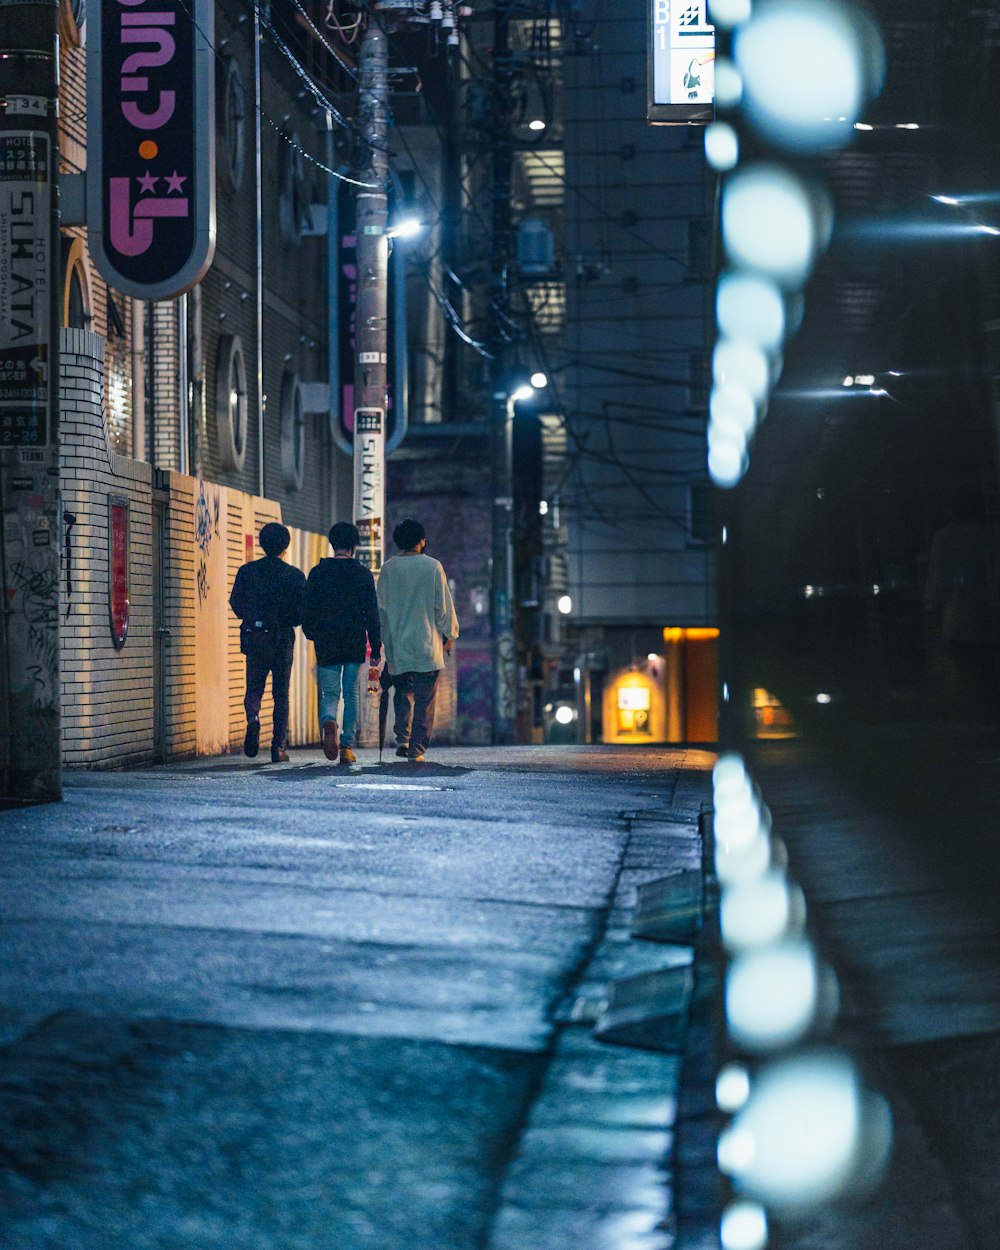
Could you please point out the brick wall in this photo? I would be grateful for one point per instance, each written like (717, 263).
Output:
(107, 693)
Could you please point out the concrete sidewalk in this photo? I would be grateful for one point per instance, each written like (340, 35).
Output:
(256, 1007)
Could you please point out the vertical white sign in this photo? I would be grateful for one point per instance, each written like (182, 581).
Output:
(369, 483)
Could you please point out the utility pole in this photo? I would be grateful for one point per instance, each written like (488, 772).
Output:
(29, 392)
(372, 308)
(502, 408)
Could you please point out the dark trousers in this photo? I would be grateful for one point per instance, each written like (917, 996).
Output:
(414, 707)
(280, 668)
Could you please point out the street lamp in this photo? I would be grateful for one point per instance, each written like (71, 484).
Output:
(405, 229)
(502, 576)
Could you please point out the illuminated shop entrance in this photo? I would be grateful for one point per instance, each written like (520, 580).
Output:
(670, 697)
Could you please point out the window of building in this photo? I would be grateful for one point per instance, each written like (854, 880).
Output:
(231, 402)
(293, 432)
(294, 216)
(76, 292)
(233, 119)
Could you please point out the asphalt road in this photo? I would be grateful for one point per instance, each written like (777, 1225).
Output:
(255, 1007)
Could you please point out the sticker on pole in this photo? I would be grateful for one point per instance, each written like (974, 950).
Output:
(369, 483)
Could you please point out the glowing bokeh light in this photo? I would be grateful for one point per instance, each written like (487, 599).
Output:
(800, 1139)
(733, 404)
(743, 1226)
(768, 223)
(751, 308)
(722, 147)
(728, 13)
(760, 911)
(732, 1087)
(728, 84)
(736, 362)
(772, 994)
(806, 71)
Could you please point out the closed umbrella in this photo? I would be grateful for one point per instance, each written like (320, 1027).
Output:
(385, 681)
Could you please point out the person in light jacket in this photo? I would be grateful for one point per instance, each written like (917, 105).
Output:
(419, 626)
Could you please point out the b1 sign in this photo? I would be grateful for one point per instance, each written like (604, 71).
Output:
(681, 62)
(151, 144)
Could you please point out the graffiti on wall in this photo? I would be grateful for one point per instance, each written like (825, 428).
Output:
(206, 532)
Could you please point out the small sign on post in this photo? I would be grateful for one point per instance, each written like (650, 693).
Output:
(681, 63)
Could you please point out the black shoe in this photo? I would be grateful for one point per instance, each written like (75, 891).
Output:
(402, 752)
(279, 755)
(251, 743)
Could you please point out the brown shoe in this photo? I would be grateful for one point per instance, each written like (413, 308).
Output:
(347, 756)
(279, 755)
(330, 747)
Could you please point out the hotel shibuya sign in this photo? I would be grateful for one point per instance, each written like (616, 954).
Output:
(151, 144)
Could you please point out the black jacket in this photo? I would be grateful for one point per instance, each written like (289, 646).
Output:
(338, 609)
(269, 590)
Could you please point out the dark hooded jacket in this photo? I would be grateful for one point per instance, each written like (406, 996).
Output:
(339, 609)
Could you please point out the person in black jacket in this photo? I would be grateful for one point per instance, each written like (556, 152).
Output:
(267, 597)
(339, 610)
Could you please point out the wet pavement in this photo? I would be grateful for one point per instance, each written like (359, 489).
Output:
(265, 1007)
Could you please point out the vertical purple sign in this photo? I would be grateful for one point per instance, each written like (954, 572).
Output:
(151, 145)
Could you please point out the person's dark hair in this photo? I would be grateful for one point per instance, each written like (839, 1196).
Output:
(344, 536)
(407, 534)
(274, 538)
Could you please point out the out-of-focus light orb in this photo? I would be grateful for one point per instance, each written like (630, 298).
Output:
(539, 380)
(726, 434)
(737, 827)
(757, 912)
(565, 604)
(806, 71)
(768, 223)
(743, 1226)
(732, 1087)
(743, 861)
(722, 147)
(737, 362)
(733, 403)
(772, 994)
(727, 13)
(728, 84)
(806, 1131)
(729, 773)
(564, 714)
(824, 698)
(727, 463)
(750, 307)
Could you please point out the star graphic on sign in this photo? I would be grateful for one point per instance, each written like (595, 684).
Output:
(147, 182)
(174, 182)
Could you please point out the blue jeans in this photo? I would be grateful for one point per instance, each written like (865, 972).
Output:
(333, 680)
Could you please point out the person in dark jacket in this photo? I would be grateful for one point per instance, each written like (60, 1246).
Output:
(339, 612)
(267, 597)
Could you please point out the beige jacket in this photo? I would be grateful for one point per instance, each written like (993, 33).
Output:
(417, 613)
